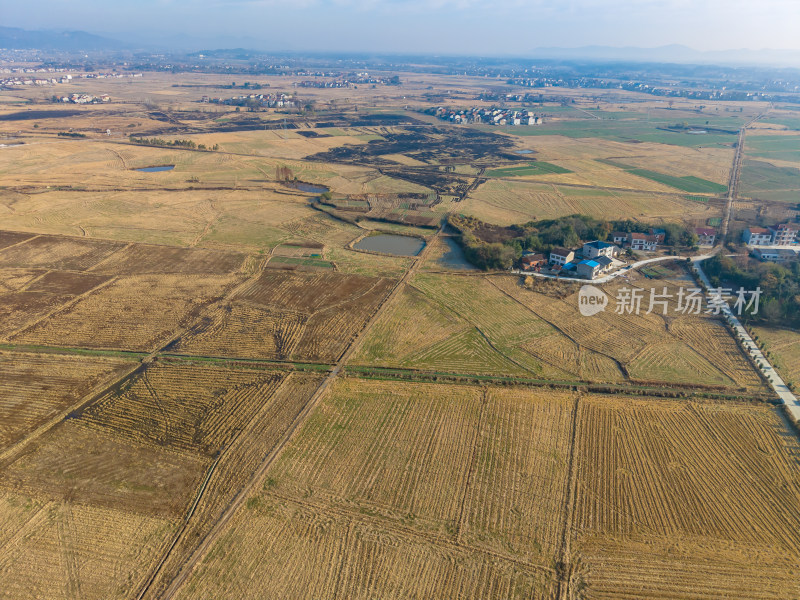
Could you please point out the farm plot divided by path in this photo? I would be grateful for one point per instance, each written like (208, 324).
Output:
(439, 491)
(289, 315)
(492, 324)
(461, 491)
(112, 482)
(75, 292)
(54, 382)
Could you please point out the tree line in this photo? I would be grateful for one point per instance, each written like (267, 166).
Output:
(489, 247)
(171, 143)
(779, 304)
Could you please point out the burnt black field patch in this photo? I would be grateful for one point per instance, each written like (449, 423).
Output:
(32, 115)
(452, 145)
(313, 134)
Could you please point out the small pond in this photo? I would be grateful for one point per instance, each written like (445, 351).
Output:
(156, 169)
(454, 257)
(401, 245)
(311, 189)
(523, 152)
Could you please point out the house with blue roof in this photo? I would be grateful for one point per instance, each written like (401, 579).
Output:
(598, 248)
(588, 269)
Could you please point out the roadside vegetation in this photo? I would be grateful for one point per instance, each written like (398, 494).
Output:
(780, 286)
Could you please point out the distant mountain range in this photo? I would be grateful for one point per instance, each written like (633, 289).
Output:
(15, 38)
(22, 39)
(672, 54)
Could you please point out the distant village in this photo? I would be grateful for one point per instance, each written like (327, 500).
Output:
(352, 80)
(492, 116)
(15, 77)
(84, 99)
(276, 100)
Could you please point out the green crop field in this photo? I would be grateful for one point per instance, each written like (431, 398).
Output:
(689, 183)
(763, 180)
(625, 131)
(776, 147)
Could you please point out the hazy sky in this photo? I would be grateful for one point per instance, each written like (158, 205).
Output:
(419, 26)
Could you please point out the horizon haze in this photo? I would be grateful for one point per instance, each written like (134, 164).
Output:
(452, 27)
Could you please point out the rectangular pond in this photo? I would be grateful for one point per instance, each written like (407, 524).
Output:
(386, 243)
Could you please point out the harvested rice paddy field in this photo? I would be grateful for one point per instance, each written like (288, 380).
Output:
(207, 392)
(783, 346)
(505, 202)
(535, 463)
(485, 324)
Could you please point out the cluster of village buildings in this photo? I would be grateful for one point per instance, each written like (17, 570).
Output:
(85, 99)
(278, 100)
(347, 81)
(12, 77)
(492, 116)
(597, 258)
(777, 243)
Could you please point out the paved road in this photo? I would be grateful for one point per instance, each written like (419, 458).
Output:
(733, 183)
(777, 383)
(615, 274)
(780, 387)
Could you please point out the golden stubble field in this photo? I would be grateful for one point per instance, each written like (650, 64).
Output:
(600, 496)
(507, 202)
(154, 364)
(91, 503)
(471, 323)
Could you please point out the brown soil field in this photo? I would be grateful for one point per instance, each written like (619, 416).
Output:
(83, 465)
(18, 309)
(140, 259)
(37, 387)
(67, 283)
(138, 312)
(283, 314)
(69, 254)
(9, 238)
(13, 279)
